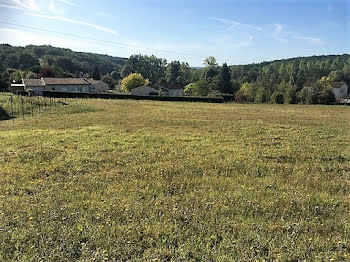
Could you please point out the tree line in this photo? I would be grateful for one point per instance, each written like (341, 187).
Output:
(281, 81)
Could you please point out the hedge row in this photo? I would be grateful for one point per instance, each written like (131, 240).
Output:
(125, 96)
(4, 115)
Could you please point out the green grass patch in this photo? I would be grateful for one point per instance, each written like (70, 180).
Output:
(160, 181)
(30, 106)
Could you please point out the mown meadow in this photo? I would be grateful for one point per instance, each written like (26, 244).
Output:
(112, 180)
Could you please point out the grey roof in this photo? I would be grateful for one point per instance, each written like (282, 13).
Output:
(142, 87)
(65, 81)
(93, 81)
(170, 86)
(33, 82)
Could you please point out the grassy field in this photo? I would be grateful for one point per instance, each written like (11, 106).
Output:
(169, 181)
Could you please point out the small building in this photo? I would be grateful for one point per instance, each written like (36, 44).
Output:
(175, 90)
(144, 91)
(98, 86)
(34, 85)
(74, 85)
(159, 89)
(340, 90)
(16, 88)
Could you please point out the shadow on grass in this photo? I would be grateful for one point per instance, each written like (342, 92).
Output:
(4, 115)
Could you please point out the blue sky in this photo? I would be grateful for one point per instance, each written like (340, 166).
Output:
(236, 32)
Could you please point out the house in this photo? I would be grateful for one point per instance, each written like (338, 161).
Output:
(75, 85)
(340, 90)
(171, 89)
(16, 88)
(98, 86)
(79, 85)
(158, 89)
(34, 85)
(145, 91)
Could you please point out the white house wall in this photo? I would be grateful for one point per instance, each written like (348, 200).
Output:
(341, 92)
(69, 88)
(38, 90)
(176, 92)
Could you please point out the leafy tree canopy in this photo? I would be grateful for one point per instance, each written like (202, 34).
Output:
(132, 81)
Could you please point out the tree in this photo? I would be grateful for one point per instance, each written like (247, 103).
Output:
(126, 70)
(27, 61)
(277, 97)
(225, 80)
(110, 81)
(288, 91)
(336, 76)
(65, 64)
(210, 61)
(132, 81)
(115, 75)
(46, 72)
(185, 74)
(235, 85)
(260, 96)
(150, 67)
(4, 79)
(96, 73)
(248, 92)
(199, 88)
(327, 96)
(306, 95)
(172, 72)
(210, 74)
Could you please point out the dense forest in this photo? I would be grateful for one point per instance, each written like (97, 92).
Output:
(280, 81)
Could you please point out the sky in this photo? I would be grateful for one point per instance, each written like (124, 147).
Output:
(235, 32)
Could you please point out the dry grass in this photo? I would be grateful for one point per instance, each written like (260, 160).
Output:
(163, 181)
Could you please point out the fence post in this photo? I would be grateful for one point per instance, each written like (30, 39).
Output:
(31, 105)
(39, 103)
(12, 113)
(22, 106)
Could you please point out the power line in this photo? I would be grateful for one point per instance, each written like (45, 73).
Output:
(94, 39)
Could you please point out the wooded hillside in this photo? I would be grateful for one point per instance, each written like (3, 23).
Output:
(276, 81)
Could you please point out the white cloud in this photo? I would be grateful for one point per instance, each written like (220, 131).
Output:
(13, 7)
(68, 20)
(228, 41)
(277, 34)
(54, 9)
(68, 3)
(234, 24)
(17, 37)
(244, 43)
(23, 37)
(283, 36)
(310, 40)
(30, 5)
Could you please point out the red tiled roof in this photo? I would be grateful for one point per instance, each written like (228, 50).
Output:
(33, 82)
(65, 81)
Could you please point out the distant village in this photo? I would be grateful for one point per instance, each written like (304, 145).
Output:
(89, 85)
